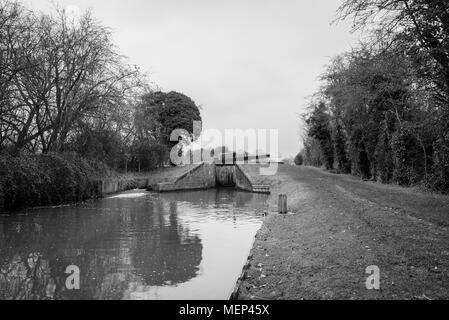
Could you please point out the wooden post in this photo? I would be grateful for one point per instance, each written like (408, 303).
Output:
(282, 205)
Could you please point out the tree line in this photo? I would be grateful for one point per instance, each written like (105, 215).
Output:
(382, 111)
(65, 87)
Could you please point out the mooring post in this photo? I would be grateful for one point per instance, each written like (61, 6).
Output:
(282, 205)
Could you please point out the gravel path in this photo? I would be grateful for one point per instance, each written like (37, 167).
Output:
(340, 226)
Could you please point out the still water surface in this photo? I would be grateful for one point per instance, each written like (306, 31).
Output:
(134, 245)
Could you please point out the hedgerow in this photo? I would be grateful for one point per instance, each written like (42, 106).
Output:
(50, 179)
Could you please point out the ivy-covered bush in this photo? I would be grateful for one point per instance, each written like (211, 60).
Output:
(299, 159)
(51, 179)
(439, 179)
(408, 158)
(384, 163)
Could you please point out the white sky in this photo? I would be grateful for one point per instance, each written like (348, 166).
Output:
(249, 63)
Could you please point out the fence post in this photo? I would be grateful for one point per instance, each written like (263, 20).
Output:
(282, 205)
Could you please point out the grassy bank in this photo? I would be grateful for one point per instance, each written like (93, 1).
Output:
(341, 225)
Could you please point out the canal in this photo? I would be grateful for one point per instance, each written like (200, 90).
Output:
(133, 245)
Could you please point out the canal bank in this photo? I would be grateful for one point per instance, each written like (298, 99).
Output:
(338, 227)
(30, 181)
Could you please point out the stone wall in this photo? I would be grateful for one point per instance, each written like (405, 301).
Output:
(110, 186)
(242, 181)
(201, 177)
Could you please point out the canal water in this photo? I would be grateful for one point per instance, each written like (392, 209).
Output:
(134, 245)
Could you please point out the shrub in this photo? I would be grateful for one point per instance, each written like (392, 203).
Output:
(299, 160)
(439, 179)
(147, 156)
(408, 158)
(312, 153)
(384, 164)
(51, 179)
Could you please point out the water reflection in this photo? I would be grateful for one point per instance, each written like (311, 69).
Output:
(132, 246)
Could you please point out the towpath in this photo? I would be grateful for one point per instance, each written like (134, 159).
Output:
(342, 225)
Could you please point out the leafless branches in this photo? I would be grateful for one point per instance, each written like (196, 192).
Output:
(56, 73)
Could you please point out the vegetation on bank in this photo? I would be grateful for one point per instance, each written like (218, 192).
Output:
(50, 179)
(382, 112)
(71, 106)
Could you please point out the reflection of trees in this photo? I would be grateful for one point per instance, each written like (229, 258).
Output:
(23, 277)
(113, 241)
(176, 255)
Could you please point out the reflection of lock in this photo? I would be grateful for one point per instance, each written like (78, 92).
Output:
(50, 289)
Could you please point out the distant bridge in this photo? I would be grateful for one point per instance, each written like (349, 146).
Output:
(233, 158)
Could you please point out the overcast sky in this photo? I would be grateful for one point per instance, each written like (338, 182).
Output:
(249, 63)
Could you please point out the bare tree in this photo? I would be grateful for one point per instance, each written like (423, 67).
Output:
(73, 74)
(16, 27)
(422, 26)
